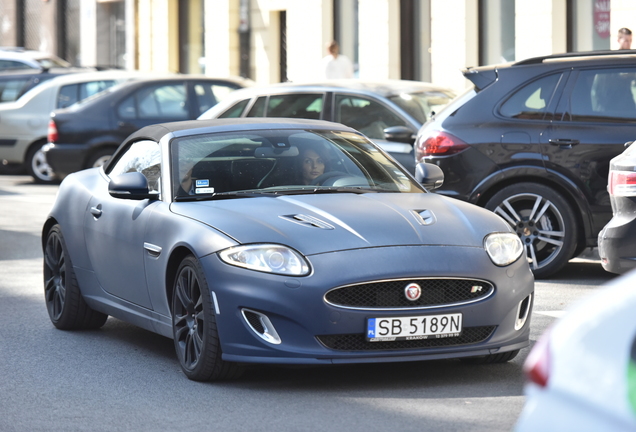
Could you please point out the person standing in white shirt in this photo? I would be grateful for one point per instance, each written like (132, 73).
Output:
(336, 65)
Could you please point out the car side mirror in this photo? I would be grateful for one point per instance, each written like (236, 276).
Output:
(133, 186)
(399, 134)
(428, 175)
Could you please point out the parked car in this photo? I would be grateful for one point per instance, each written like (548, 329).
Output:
(582, 372)
(389, 112)
(249, 241)
(24, 123)
(532, 141)
(617, 240)
(86, 134)
(12, 58)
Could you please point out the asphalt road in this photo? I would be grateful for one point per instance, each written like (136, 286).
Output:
(122, 378)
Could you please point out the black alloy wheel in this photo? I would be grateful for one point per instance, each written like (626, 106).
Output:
(543, 220)
(194, 328)
(64, 302)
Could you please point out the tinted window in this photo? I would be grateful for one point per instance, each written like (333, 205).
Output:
(236, 110)
(604, 95)
(162, 102)
(366, 115)
(307, 106)
(11, 90)
(209, 94)
(10, 64)
(143, 157)
(258, 109)
(72, 93)
(532, 100)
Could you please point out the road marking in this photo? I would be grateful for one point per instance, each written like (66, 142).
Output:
(554, 314)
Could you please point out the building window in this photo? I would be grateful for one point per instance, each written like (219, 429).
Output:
(496, 31)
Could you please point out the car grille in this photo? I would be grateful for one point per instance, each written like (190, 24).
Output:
(358, 342)
(390, 294)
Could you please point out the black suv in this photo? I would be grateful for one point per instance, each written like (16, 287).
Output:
(532, 141)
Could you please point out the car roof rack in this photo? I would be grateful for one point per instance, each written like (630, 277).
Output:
(573, 55)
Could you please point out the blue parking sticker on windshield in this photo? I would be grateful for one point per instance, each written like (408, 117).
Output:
(371, 328)
(202, 183)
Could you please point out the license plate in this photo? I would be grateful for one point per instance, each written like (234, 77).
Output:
(414, 327)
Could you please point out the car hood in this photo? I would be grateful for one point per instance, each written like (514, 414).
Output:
(322, 223)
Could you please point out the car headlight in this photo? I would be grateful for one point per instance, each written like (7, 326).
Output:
(503, 248)
(267, 258)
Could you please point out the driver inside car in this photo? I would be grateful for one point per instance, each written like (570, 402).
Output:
(312, 164)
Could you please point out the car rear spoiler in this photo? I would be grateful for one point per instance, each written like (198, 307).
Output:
(481, 78)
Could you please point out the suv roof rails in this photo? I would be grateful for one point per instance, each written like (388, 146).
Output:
(536, 60)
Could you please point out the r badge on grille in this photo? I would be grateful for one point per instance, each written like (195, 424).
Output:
(412, 291)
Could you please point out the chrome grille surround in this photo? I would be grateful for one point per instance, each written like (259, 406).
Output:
(389, 294)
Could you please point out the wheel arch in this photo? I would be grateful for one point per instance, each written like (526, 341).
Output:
(177, 255)
(50, 222)
(564, 186)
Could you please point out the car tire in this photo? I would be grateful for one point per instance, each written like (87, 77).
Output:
(64, 302)
(37, 167)
(196, 338)
(491, 358)
(99, 158)
(543, 220)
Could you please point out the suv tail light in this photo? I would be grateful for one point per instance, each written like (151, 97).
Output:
(537, 365)
(622, 183)
(438, 143)
(51, 135)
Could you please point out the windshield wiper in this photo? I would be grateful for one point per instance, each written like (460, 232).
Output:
(224, 195)
(326, 190)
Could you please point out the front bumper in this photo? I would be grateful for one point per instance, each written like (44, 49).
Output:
(616, 245)
(307, 325)
(65, 159)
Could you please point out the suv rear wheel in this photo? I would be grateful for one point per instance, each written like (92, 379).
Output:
(543, 220)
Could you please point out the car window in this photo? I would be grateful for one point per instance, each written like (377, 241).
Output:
(165, 101)
(73, 93)
(258, 109)
(366, 115)
(604, 95)
(423, 105)
(209, 94)
(143, 157)
(10, 64)
(12, 89)
(531, 101)
(307, 106)
(236, 110)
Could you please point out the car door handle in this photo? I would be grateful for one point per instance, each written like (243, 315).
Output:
(564, 143)
(96, 211)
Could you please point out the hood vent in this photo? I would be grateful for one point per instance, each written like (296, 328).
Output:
(308, 221)
(424, 217)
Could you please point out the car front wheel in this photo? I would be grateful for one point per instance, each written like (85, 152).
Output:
(196, 338)
(544, 222)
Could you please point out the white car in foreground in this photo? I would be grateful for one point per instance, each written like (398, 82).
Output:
(582, 372)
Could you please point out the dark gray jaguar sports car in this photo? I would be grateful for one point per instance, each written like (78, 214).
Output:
(282, 241)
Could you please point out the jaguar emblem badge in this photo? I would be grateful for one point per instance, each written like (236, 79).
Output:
(412, 291)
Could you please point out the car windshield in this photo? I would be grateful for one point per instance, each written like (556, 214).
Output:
(51, 62)
(423, 105)
(280, 162)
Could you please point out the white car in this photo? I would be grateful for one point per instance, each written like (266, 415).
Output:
(582, 372)
(24, 123)
(19, 58)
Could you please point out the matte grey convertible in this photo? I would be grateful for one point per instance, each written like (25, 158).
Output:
(282, 241)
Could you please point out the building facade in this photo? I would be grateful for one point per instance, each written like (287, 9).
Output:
(285, 40)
